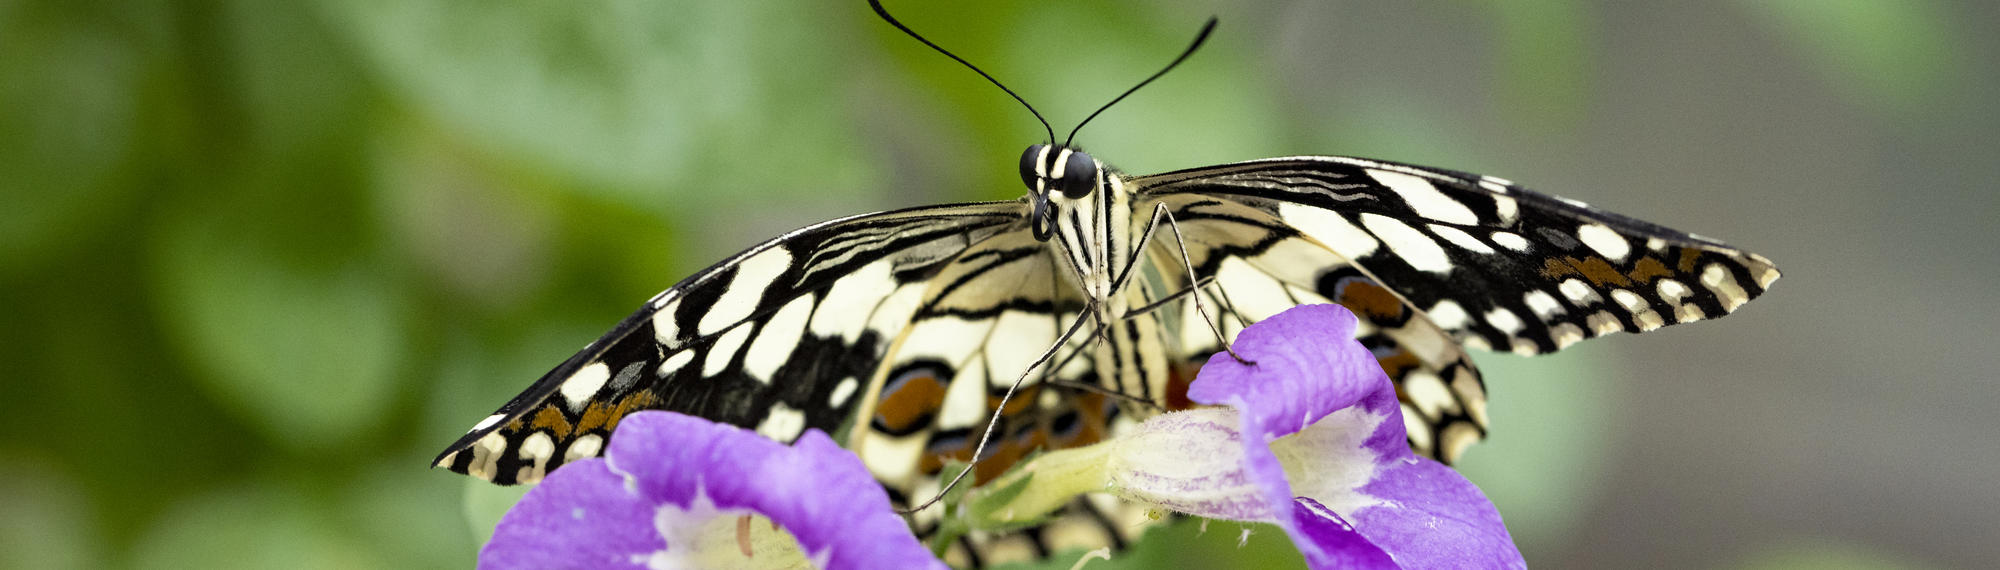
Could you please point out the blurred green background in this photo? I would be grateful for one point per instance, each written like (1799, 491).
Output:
(261, 260)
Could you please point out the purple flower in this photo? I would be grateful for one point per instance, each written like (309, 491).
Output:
(678, 491)
(1324, 442)
(1310, 438)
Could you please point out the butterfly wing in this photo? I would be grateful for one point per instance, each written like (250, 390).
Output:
(1433, 260)
(778, 338)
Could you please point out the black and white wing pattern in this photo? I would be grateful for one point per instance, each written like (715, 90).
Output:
(778, 338)
(981, 321)
(897, 332)
(1433, 261)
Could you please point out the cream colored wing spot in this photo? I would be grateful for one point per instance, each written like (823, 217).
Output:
(1329, 228)
(724, 350)
(578, 389)
(587, 446)
(1459, 238)
(845, 311)
(1717, 279)
(1512, 241)
(1425, 198)
(666, 330)
(753, 275)
(1449, 315)
(1542, 304)
(1605, 241)
(1417, 249)
(1256, 295)
(783, 423)
(776, 339)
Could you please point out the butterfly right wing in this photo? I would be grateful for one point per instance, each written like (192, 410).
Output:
(1434, 260)
(778, 338)
(1496, 265)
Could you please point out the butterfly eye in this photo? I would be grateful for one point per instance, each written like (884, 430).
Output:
(1028, 161)
(1079, 176)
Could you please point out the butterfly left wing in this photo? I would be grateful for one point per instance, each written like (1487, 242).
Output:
(778, 338)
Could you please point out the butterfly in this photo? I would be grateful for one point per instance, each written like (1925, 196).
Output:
(903, 333)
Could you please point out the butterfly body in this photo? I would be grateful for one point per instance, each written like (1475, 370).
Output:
(1096, 230)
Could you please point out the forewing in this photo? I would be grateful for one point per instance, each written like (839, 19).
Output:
(778, 338)
(1495, 265)
(1431, 261)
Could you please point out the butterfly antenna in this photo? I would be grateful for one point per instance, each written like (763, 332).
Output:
(884, 13)
(1198, 39)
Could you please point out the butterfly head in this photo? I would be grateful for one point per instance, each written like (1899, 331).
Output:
(1054, 175)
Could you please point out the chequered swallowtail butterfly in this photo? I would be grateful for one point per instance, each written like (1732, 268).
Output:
(899, 331)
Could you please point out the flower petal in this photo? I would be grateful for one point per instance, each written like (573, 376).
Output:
(580, 517)
(1357, 496)
(683, 472)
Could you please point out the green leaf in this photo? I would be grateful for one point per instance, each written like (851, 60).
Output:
(68, 107)
(665, 105)
(255, 527)
(414, 518)
(48, 521)
(302, 348)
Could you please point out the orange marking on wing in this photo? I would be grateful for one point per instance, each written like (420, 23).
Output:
(1399, 363)
(605, 416)
(1001, 453)
(1599, 271)
(1554, 268)
(1092, 412)
(553, 420)
(1021, 401)
(1689, 256)
(1596, 269)
(1376, 302)
(1649, 268)
(933, 462)
(1179, 377)
(1006, 453)
(915, 399)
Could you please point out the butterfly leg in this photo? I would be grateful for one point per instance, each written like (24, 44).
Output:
(1170, 298)
(1160, 212)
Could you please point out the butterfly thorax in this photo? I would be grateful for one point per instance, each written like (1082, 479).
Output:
(1082, 209)
(1085, 211)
